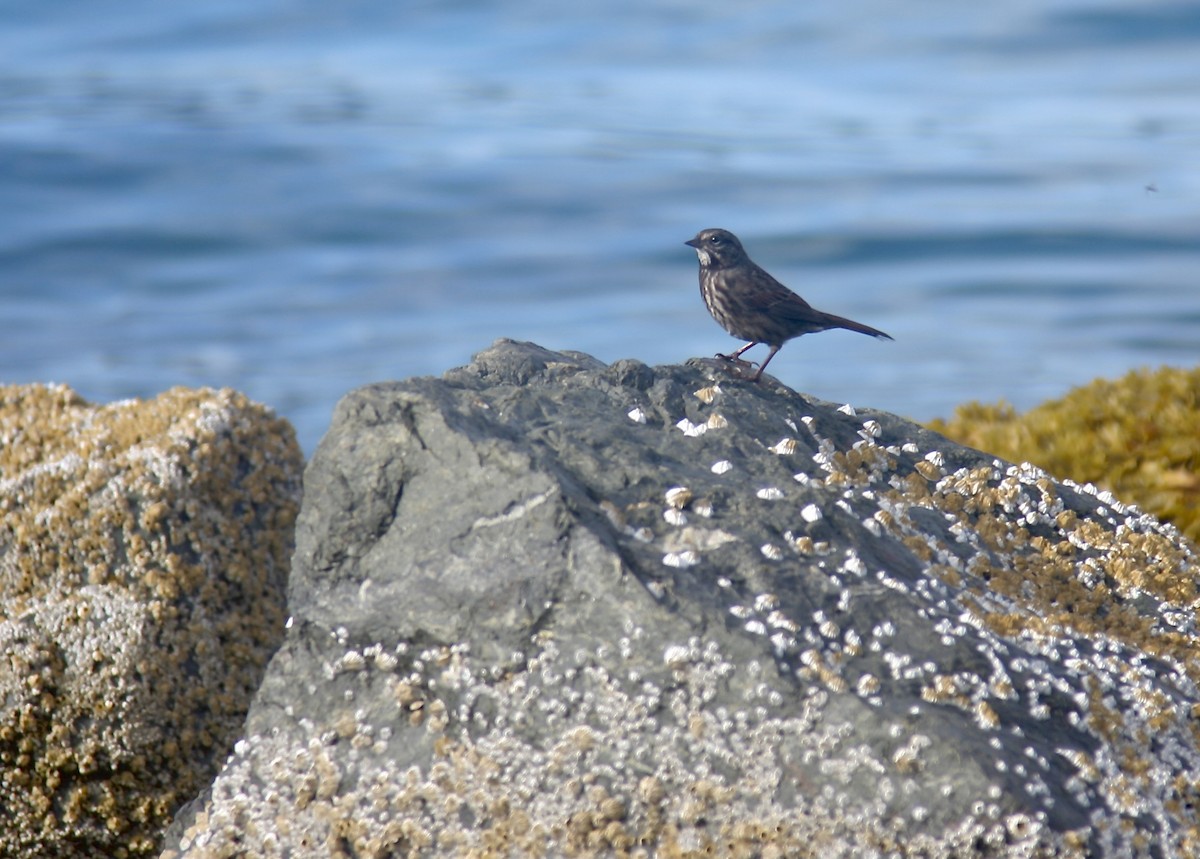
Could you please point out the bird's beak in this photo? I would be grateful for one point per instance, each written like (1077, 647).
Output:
(693, 242)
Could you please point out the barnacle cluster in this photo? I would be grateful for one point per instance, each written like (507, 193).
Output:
(594, 752)
(1137, 436)
(143, 558)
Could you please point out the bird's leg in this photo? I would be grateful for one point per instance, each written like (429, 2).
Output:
(764, 364)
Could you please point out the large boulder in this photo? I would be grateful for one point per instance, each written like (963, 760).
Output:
(544, 606)
(144, 551)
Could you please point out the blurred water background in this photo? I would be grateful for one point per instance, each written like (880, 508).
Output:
(298, 198)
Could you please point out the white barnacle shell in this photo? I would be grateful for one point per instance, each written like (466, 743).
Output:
(771, 552)
(784, 446)
(717, 421)
(676, 655)
(674, 516)
(721, 466)
(681, 559)
(782, 642)
(770, 493)
(386, 661)
(690, 429)
(707, 395)
(854, 564)
(352, 660)
(811, 513)
(847, 409)
(637, 415)
(678, 496)
(928, 469)
(868, 684)
(766, 602)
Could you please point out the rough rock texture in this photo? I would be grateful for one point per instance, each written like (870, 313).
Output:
(143, 564)
(1138, 436)
(544, 607)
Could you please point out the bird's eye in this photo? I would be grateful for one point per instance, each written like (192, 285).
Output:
(715, 240)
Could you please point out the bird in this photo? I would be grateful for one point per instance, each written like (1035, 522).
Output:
(752, 305)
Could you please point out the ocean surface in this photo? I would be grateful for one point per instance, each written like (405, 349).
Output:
(295, 199)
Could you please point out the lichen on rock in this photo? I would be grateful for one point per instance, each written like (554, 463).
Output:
(144, 548)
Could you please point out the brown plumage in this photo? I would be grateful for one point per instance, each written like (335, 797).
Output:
(751, 305)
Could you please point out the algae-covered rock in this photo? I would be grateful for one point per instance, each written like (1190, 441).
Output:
(144, 549)
(1138, 436)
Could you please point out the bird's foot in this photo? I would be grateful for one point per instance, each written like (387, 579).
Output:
(741, 368)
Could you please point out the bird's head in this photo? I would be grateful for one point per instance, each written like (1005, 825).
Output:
(717, 248)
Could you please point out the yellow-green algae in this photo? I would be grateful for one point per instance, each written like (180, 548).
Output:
(144, 548)
(1138, 436)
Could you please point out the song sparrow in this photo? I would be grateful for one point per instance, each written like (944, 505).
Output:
(751, 305)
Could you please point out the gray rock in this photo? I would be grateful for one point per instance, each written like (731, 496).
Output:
(543, 606)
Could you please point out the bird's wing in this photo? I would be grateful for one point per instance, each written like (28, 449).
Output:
(764, 293)
(781, 303)
(770, 296)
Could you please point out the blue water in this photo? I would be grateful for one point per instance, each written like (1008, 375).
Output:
(295, 199)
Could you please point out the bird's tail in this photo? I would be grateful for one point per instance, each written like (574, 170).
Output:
(842, 322)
